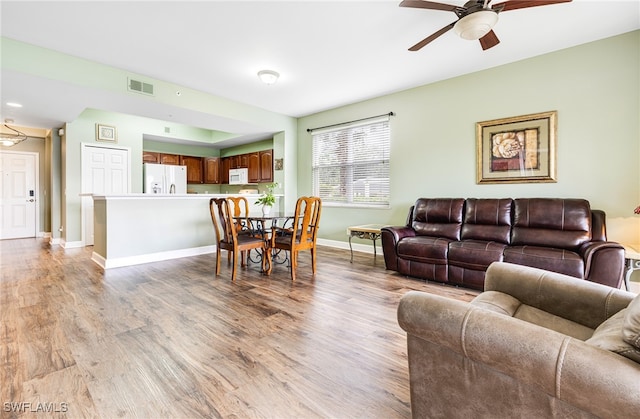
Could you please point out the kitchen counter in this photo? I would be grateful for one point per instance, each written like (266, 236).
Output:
(141, 228)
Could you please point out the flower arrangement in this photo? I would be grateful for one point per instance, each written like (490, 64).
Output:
(268, 199)
(637, 210)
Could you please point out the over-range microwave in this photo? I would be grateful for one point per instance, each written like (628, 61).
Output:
(238, 176)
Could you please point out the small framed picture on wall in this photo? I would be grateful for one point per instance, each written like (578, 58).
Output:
(106, 133)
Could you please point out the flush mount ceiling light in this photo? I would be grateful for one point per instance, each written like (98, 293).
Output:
(14, 105)
(476, 25)
(268, 76)
(10, 139)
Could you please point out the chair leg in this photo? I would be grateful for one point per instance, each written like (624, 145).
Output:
(218, 253)
(313, 260)
(233, 267)
(294, 264)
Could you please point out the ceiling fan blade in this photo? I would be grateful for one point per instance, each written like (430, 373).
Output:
(431, 37)
(420, 4)
(521, 4)
(490, 40)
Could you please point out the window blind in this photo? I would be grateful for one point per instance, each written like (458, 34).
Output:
(351, 163)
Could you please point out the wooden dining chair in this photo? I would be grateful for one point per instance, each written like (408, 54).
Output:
(227, 237)
(301, 235)
(239, 207)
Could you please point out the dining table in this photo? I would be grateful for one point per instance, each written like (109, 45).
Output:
(261, 225)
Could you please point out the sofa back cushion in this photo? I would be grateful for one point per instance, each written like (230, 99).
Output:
(439, 217)
(552, 222)
(487, 220)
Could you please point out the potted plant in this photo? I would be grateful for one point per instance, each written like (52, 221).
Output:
(267, 199)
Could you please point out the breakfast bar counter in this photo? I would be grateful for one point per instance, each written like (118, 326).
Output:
(141, 228)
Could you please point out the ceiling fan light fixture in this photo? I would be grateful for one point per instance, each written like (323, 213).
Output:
(476, 25)
(268, 76)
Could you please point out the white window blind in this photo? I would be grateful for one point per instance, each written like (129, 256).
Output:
(351, 163)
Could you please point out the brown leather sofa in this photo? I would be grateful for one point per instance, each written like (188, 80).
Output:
(535, 344)
(454, 240)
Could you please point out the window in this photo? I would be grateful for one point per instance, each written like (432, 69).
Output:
(351, 163)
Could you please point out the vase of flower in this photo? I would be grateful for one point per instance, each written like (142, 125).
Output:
(267, 199)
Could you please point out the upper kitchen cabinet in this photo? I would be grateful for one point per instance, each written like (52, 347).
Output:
(266, 166)
(170, 159)
(212, 170)
(150, 157)
(260, 166)
(243, 161)
(194, 168)
(225, 165)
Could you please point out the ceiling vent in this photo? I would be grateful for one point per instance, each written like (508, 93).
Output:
(140, 87)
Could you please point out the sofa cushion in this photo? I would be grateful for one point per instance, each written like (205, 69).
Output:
(438, 217)
(609, 336)
(547, 258)
(424, 249)
(551, 222)
(475, 254)
(631, 325)
(487, 220)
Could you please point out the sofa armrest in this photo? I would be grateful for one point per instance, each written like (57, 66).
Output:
(603, 262)
(493, 346)
(580, 301)
(391, 235)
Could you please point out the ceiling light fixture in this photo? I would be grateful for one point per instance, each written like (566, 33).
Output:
(268, 76)
(9, 139)
(14, 105)
(476, 25)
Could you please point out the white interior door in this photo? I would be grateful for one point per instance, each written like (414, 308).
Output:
(105, 171)
(18, 194)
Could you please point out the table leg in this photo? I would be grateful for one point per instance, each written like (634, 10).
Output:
(350, 248)
(374, 248)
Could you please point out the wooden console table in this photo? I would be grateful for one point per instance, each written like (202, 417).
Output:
(367, 231)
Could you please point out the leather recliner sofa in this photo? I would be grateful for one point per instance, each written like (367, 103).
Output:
(534, 344)
(454, 240)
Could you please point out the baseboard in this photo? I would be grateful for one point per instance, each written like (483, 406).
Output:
(150, 257)
(71, 245)
(357, 247)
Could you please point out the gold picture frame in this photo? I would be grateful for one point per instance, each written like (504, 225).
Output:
(520, 149)
(106, 133)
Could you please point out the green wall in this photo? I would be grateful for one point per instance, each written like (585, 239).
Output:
(593, 87)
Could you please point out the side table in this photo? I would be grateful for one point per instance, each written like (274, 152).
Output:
(366, 231)
(631, 260)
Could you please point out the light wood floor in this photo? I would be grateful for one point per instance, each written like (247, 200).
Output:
(170, 339)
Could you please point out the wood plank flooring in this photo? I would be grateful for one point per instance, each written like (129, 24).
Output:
(171, 340)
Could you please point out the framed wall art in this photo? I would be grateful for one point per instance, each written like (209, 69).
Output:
(106, 133)
(520, 149)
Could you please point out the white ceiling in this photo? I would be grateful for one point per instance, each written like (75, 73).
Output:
(329, 53)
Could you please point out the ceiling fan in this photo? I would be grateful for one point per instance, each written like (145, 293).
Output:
(476, 18)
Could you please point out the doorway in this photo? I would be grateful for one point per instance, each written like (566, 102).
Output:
(19, 191)
(105, 171)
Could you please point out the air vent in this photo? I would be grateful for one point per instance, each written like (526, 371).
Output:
(140, 87)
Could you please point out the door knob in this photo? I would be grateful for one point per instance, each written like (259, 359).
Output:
(31, 200)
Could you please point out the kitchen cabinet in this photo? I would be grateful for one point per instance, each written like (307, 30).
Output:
(260, 166)
(253, 162)
(194, 168)
(150, 157)
(266, 166)
(243, 161)
(225, 166)
(212, 170)
(170, 159)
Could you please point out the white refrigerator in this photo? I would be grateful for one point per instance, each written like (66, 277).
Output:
(165, 179)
